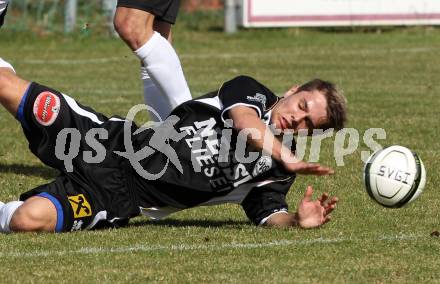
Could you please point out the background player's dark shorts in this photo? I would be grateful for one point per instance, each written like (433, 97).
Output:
(2, 16)
(164, 10)
(92, 192)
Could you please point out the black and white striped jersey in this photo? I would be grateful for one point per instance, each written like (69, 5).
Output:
(200, 159)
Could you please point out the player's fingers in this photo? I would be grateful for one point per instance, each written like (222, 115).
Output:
(304, 168)
(313, 169)
(310, 166)
(323, 198)
(333, 200)
(327, 170)
(329, 209)
(327, 219)
(321, 171)
(330, 201)
(308, 194)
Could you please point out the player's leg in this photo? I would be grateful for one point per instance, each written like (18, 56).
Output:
(12, 88)
(163, 66)
(60, 206)
(66, 205)
(37, 214)
(20, 98)
(43, 113)
(152, 94)
(161, 72)
(134, 26)
(6, 212)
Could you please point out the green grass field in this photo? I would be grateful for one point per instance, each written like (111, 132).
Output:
(390, 80)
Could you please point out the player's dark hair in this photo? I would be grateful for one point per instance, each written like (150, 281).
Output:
(336, 102)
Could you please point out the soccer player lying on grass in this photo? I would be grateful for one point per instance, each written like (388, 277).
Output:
(211, 150)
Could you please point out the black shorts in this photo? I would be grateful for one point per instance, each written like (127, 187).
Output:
(2, 16)
(94, 189)
(164, 10)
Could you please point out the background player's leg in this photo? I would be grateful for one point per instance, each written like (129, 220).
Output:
(134, 26)
(163, 66)
(152, 94)
(162, 69)
(154, 98)
(12, 88)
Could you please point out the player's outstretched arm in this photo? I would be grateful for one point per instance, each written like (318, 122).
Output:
(262, 139)
(310, 214)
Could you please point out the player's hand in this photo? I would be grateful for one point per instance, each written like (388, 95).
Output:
(315, 213)
(305, 168)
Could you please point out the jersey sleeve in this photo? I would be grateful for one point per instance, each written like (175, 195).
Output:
(266, 200)
(245, 91)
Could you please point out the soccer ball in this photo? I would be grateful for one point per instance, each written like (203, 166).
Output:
(394, 176)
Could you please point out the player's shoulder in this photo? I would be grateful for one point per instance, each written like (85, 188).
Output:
(245, 83)
(243, 79)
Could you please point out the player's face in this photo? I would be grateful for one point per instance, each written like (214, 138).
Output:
(300, 110)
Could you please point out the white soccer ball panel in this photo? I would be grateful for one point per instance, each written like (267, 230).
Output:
(388, 191)
(393, 158)
(391, 176)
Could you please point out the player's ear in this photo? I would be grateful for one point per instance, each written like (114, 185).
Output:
(291, 91)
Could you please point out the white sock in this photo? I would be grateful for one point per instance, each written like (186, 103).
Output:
(6, 64)
(163, 66)
(154, 98)
(6, 212)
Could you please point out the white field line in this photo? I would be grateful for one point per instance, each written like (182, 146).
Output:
(204, 247)
(224, 56)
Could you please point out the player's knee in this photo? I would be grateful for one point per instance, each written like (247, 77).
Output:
(24, 220)
(31, 219)
(132, 30)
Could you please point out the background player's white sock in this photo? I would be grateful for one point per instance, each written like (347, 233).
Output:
(154, 98)
(6, 64)
(163, 66)
(6, 212)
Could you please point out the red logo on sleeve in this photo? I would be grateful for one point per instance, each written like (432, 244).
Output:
(46, 108)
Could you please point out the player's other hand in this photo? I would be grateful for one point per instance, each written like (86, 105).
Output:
(314, 213)
(305, 168)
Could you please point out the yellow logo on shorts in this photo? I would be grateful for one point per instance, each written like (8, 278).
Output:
(81, 208)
